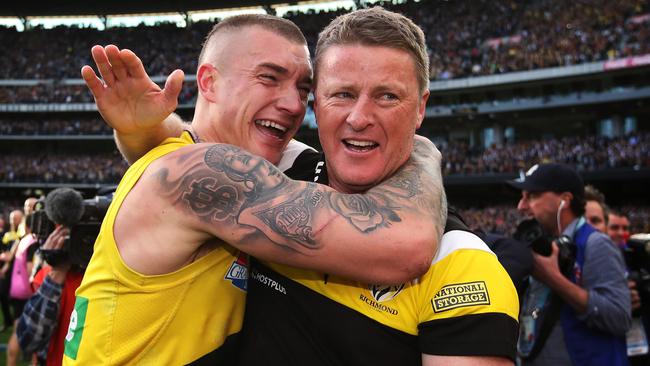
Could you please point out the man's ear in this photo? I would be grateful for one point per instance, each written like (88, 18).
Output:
(207, 79)
(422, 108)
(567, 197)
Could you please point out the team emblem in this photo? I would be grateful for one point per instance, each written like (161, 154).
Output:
(385, 293)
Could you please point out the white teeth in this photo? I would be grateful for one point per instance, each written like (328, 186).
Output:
(360, 143)
(267, 123)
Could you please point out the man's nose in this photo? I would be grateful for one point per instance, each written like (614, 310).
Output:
(361, 115)
(291, 102)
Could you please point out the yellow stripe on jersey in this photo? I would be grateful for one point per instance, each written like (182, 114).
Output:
(465, 278)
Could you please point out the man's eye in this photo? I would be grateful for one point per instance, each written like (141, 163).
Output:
(344, 95)
(268, 77)
(389, 96)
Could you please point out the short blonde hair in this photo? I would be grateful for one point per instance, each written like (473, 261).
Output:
(378, 27)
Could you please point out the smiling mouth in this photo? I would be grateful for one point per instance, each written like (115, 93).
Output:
(360, 145)
(271, 128)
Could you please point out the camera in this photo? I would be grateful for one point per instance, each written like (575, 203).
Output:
(82, 216)
(637, 259)
(530, 232)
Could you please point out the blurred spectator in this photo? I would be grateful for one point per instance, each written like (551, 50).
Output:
(596, 211)
(618, 228)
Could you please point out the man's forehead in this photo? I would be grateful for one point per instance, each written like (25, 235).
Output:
(255, 45)
(353, 52)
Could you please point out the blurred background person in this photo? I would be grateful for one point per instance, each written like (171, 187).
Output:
(596, 211)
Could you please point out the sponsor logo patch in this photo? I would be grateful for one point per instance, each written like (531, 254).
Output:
(383, 293)
(268, 281)
(238, 272)
(460, 295)
(76, 327)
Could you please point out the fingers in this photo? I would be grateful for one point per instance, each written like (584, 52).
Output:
(95, 85)
(173, 87)
(133, 64)
(115, 60)
(57, 238)
(103, 65)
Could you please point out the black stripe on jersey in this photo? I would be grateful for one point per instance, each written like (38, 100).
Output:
(306, 167)
(226, 354)
(489, 334)
(289, 324)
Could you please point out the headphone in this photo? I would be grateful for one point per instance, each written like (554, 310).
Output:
(557, 216)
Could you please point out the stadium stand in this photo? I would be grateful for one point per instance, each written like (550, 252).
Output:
(513, 83)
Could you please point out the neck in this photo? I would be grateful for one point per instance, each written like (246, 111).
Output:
(346, 188)
(202, 127)
(566, 218)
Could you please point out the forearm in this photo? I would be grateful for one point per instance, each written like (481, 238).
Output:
(417, 187)
(134, 145)
(609, 307)
(377, 237)
(572, 294)
(39, 318)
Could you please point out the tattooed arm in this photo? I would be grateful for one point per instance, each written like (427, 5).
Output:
(386, 235)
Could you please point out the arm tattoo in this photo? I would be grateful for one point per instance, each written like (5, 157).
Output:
(363, 212)
(292, 219)
(231, 186)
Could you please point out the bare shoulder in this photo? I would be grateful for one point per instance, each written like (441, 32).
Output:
(153, 233)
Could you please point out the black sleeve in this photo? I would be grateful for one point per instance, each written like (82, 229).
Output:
(515, 256)
(31, 251)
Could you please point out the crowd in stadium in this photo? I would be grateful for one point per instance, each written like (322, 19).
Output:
(465, 39)
(62, 168)
(55, 126)
(590, 153)
(54, 93)
(469, 38)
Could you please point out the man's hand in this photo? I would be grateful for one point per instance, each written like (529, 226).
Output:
(634, 295)
(55, 242)
(128, 100)
(547, 269)
(131, 103)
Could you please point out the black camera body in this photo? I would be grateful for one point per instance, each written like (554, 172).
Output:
(637, 260)
(78, 248)
(530, 232)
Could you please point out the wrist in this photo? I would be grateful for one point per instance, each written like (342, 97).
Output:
(57, 275)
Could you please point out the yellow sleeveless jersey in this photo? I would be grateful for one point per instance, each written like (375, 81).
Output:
(123, 317)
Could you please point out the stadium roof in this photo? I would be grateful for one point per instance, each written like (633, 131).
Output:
(24, 8)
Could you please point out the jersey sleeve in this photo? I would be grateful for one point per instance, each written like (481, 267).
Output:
(468, 304)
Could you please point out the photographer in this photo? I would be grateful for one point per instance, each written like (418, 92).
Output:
(66, 226)
(576, 310)
(46, 315)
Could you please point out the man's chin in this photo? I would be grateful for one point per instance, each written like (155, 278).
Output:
(354, 183)
(272, 156)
